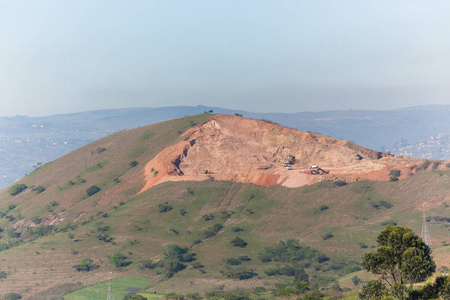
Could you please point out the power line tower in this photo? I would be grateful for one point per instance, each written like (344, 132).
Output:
(425, 233)
(110, 292)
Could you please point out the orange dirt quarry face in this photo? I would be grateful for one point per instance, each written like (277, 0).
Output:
(251, 151)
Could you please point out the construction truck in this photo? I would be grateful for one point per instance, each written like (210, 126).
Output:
(316, 171)
(206, 171)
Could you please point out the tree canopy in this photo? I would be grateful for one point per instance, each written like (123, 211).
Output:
(401, 258)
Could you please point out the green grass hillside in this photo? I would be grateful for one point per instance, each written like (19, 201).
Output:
(57, 221)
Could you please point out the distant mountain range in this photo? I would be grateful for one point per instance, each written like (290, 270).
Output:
(25, 142)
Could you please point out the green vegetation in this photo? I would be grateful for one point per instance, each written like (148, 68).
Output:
(85, 265)
(119, 260)
(17, 189)
(92, 190)
(401, 258)
(38, 189)
(163, 208)
(204, 217)
(12, 296)
(120, 286)
(238, 242)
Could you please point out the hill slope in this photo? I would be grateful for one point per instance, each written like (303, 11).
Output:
(47, 232)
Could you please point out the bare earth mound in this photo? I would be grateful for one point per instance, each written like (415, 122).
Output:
(251, 151)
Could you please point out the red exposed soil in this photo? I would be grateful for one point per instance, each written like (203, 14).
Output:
(252, 151)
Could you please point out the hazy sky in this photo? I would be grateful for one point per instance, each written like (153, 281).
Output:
(263, 56)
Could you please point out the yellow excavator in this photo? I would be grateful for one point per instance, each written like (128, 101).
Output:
(206, 171)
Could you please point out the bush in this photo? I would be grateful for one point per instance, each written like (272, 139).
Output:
(426, 164)
(232, 261)
(238, 242)
(147, 264)
(12, 296)
(85, 265)
(436, 164)
(133, 164)
(197, 265)
(240, 274)
(393, 178)
(119, 260)
(395, 173)
(244, 258)
(92, 190)
(340, 183)
(327, 236)
(163, 208)
(211, 231)
(380, 204)
(17, 189)
(38, 189)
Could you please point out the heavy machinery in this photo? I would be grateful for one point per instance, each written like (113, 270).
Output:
(290, 161)
(316, 171)
(206, 171)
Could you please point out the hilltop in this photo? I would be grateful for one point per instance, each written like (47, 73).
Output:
(151, 192)
(250, 151)
(27, 141)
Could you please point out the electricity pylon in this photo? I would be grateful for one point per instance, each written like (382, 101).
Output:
(425, 233)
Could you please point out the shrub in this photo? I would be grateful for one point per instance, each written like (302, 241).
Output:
(197, 265)
(436, 164)
(3, 274)
(321, 208)
(244, 258)
(119, 260)
(240, 274)
(393, 178)
(426, 164)
(38, 189)
(395, 173)
(232, 261)
(163, 208)
(133, 164)
(390, 222)
(17, 189)
(238, 242)
(208, 217)
(237, 229)
(211, 231)
(147, 264)
(85, 265)
(380, 204)
(36, 220)
(92, 190)
(340, 183)
(12, 296)
(175, 252)
(327, 236)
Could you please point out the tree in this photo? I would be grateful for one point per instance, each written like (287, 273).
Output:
(401, 258)
(85, 265)
(119, 260)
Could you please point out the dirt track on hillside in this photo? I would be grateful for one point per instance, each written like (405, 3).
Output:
(251, 151)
